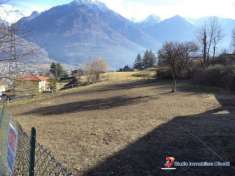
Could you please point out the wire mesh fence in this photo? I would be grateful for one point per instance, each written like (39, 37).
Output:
(45, 163)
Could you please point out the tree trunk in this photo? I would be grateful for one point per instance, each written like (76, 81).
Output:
(205, 49)
(173, 83)
(213, 57)
(97, 77)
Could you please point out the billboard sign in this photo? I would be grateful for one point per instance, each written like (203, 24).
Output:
(11, 147)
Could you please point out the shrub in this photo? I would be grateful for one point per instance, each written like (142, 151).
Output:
(126, 68)
(164, 73)
(217, 75)
(224, 59)
(52, 84)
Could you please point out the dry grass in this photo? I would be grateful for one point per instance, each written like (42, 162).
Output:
(85, 126)
(124, 76)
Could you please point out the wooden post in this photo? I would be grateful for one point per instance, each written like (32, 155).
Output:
(32, 152)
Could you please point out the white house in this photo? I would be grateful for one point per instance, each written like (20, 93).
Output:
(39, 83)
(43, 84)
(3, 87)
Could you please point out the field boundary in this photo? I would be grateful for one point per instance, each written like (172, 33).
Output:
(45, 162)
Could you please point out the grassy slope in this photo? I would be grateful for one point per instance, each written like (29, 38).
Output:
(84, 127)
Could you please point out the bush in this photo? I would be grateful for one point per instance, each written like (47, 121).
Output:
(164, 73)
(224, 59)
(126, 68)
(217, 75)
(52, 84)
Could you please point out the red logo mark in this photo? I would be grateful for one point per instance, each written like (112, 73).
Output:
(169, 162)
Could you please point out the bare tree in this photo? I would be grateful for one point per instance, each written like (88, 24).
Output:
(216, 35)
(177, 56)
(209, 36)
(233, 40)
(204, 43)
(94, 69)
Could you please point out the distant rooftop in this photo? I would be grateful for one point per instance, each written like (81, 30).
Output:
(34, 78)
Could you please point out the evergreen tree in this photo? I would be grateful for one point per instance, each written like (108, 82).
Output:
(58, 71)
(53, 69)
(149, 59)
(127, 68)
(138, 62)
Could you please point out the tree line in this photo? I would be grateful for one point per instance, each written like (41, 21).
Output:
(180, 57)
(92, 69)
(147, 61)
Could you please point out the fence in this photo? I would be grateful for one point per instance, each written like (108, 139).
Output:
(45, 164)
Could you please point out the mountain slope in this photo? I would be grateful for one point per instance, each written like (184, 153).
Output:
(81, 30)
(84, 29)
(29, 55)
(173, 29)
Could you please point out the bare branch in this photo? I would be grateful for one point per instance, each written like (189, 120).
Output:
(178, 57)
(209, 36)
(94, 68)
(233, 40)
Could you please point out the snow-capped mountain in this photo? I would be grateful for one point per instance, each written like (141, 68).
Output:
(84, 29)
(175, 28)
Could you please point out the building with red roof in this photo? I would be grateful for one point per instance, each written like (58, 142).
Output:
(37, 83)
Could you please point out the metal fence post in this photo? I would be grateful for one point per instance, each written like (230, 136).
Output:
(32, 151)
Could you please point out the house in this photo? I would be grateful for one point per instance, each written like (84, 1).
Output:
(78, 73)
(34, 83)
(229, 59)
(43, 84)
(3, 87)
(73, 82)
(5, 84)
(225, 59)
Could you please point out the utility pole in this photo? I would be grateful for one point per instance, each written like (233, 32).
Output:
(13, 58)
(9, 56)
(9, 42)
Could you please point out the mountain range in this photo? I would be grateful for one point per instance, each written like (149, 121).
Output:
(173, 29)
(83, 29)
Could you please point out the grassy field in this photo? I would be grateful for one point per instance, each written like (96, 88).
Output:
(128, 127)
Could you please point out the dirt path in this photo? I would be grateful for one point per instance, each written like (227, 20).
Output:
(128, 128)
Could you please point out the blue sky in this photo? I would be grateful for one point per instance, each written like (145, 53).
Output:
(139, 9)
(39, 5)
